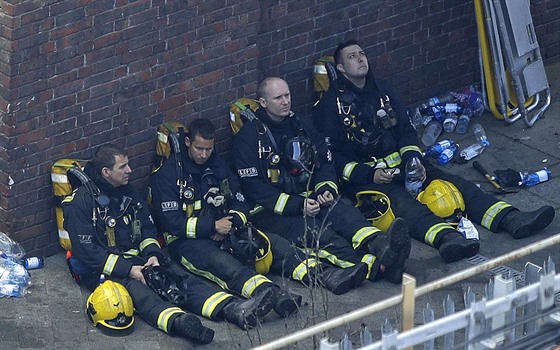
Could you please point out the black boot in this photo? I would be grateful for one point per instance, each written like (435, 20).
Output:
(246, 313)
(393, 247)
(522, 224)
(341, 280)
(189, 326)
(284, 302)
(453, 246)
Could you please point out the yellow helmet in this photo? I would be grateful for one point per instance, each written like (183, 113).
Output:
(110, 307)
(376, 207)
(443, 198)
(263, 259)
(251, 246)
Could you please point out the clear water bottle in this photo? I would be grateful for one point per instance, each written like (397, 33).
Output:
(439, 112)
(532, 179)
(451, 108)
(34, 262)
(436, 149)
(414, 175)
(416, 118)
(472, 151)
(431, 133)
(450, 122)
(446, 156)
(475, 103)
(463, 122)
(480, 135)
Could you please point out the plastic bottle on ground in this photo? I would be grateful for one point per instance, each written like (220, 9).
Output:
(446, 156)
(450, 122)
(431, 133)
(414, 175)
(463, 121)
(472, 151)
(416, 118)
(480, 135)
(437, 148)
(532, 179)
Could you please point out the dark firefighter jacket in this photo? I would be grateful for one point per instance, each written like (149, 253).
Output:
(89, 241)
(345, 112)
(191, 215)
(253, 152)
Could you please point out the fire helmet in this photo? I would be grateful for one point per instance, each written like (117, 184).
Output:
(443, 198)
(376, 207)
(110, 308)
(252, 246)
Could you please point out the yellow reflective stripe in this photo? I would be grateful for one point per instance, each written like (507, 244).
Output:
(323, 254)
(134, 252)
(252, 283)
(363, 233)
(393, 160)
(110, 264)
(169, 238)
(331, 184)
(369, 260)
(197, 205)
(492, 212)
(281, 203)
(147, 242)
(302, 269)
(205, 274)
(410, 148)
(241, 215)
(348, 169)
(190, 227)
(211, 303)
(433, 231)
(165, 315)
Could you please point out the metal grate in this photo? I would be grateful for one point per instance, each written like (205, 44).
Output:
(504, 271)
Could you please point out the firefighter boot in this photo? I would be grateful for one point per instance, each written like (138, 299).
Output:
(189, 326)
(453, 246)
(341, 280)
(246, 313)
(522, 224)
(391, 249)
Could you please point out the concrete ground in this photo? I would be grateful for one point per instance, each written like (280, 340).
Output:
(51, 315)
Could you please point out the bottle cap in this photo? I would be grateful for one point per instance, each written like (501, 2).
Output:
(485, 143)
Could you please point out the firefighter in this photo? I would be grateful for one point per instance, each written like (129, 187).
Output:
(371, 137)
(286, 170)
(112, 234)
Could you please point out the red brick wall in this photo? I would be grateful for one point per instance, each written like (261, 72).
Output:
(78, 73)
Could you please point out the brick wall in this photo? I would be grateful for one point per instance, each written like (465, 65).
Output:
(78, 73)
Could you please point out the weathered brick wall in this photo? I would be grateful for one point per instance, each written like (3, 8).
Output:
(78, 73)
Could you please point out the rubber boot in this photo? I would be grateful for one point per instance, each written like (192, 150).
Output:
(246, 313)
(523, 224)
(391, 249)
(341, 280)
(189, 326)
(453, 246)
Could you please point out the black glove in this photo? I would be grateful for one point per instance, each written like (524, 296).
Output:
(508, 177)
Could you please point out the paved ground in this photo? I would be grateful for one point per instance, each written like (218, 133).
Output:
(52, 315)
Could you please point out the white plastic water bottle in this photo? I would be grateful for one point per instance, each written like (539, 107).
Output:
(416, 118)
(447, 154)
(472, 151)
(532, 179)
(431, 133)
(450, 122)
(414, 175)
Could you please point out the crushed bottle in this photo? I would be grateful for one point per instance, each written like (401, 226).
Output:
(532, 179)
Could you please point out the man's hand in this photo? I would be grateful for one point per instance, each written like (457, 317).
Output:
(136, 273)
(311, 207)
(384, 176)
(224, 225)
(152, 261)
(326, 198)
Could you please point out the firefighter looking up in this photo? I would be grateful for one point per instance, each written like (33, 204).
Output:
(286, 170)
(199, 207)
(371, 136)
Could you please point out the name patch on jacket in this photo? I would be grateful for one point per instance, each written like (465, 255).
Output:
(169, 206)
(248, 172)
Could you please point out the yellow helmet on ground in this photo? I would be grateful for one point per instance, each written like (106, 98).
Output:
(376, 207)
(443, 198)
(110, 308)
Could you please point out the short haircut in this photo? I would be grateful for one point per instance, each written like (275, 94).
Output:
(105, 157)
(261, 89)
(338, 52)
(203, 128)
